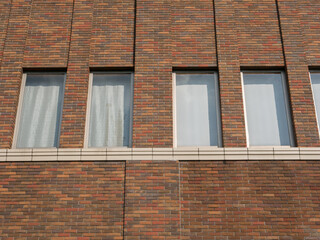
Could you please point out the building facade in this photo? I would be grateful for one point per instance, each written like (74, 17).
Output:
(139, 119)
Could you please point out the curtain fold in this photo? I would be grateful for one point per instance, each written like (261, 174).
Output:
(40, 117)
(110, 110)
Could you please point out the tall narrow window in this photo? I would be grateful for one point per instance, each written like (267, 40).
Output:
(109, 117)
(40, 107)
(267, 115)
(315, 80)
(197, 109)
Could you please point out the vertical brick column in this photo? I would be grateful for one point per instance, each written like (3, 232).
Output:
(74, 109)
(232, 114)
(112, 40)
(152, 116)
(310, 26)
(48, 40)
(11, 68)
(4, 19)
(152, 200)
(303, 111)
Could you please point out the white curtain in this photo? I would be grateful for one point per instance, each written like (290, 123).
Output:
(110, 110)
(266, 110)
(39, 124)
(196, 110)
(315, 79)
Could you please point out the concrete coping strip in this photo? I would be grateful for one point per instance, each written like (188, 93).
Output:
(160, 154)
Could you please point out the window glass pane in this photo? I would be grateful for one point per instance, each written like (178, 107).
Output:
(315, 80)
(266, 110)
(41, 111)
(196, 110)
(110, 110)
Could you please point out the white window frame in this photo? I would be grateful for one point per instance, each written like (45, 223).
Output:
(174, 105)
(286, 102)
(315, 109)
(20, 103)
(87, 125)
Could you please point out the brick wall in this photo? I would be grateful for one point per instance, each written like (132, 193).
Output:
(48, 38)
(163, 200)
(153, 37)
(61, 201)
(160, 199)
(11, 67)
(193, 34)
(152, 108)
(152, 200)
(258, 33)
(250, 200)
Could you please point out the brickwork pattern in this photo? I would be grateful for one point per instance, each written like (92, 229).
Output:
(76, 89)
(152, 200)
(154, 37)
(258, 33)
(48, 37)
(310, 25)
(232, 115)
(4, 18)
(162, 199)
(250, 200)
(112, 39)
(152, 114)
(11, 71)
(193, 34)
(61, 201)
(300, 92)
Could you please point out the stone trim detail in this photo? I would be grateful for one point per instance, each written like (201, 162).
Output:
(160, 154)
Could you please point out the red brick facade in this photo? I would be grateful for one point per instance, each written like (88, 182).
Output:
(150, 199)
(225, 35)
(163, 200)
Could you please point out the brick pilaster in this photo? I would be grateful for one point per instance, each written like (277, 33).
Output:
(303, 111)
(232, 114)
(48, 40)
(75, 98)
(152, 110)
(11, 68)
(112, 39)
(4, 19)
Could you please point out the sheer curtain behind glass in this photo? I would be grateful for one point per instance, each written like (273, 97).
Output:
(39, 124)
(196, 110)
(266, 110)
(315, 80)
(110, 110)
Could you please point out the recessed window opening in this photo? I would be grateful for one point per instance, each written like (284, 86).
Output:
(196, 104)
(315, 82)
(40, 110)
(109, 110)
(268, 120)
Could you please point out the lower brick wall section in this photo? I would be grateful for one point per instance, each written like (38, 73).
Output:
(250, 200)
(152, 200)
(216, 200)
(61, 200)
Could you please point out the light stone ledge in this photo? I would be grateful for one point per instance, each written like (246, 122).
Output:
(160, 154)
